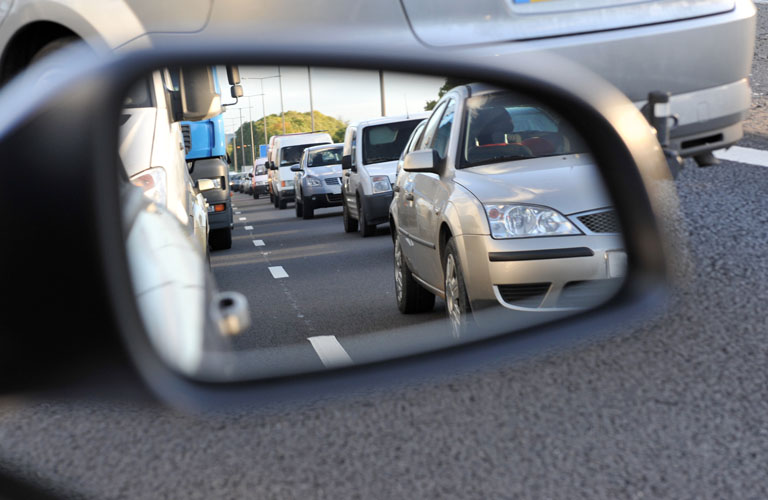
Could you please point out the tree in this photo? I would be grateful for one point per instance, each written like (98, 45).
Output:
(448, 85)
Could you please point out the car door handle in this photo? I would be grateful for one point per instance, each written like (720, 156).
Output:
(409, 196)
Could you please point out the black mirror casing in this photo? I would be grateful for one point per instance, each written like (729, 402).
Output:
(346, 162)
(80, 116)
(296, 168)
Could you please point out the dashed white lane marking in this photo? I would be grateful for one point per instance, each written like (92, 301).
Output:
(744, 155)
(243, 218)
(238, 213)
(249, 228)
(258, 243)
(278, 272)
(330, 351)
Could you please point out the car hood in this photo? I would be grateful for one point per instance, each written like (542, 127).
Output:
(325, 171)
(569, 183)
(137, 134)
(388, 168)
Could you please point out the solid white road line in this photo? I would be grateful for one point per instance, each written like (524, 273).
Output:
(243, 218)
(744, 155)
(330, 351)
(278, 272)
(258, 243)
(249, 228)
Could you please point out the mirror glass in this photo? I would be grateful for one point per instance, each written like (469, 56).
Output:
(505, 225)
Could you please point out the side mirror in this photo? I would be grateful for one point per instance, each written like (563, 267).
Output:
(272, 166)
(346, 162)
(196, 98)
(205, 185)
(296, 168)
(425, 160)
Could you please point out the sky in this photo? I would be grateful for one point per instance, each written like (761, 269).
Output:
(350, 95)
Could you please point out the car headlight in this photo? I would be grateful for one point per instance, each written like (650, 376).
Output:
(524, 221)
(154, 184)
(381, 184)
(216, 183)
(313, 182)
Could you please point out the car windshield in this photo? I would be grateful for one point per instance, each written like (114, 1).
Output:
(291, 155)
(506, 127)
(325, 157)
(385, 142)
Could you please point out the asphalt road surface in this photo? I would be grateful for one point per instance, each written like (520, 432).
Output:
(674, 406)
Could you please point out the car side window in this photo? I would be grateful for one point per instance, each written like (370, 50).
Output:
(443, 135)
(431, 127)
(412, 142)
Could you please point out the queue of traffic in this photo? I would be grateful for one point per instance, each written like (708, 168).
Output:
(491, 200)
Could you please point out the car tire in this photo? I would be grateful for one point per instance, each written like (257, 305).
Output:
(220, 239)
(282, 203)
(366, 229)
(350, 224)
(410, 295)
(276, 200)
(456, 298)
(309, 209)
(271, 198)
(255, 195)
(299, 208)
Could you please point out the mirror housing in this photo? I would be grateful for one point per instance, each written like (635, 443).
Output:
(296, 168)
(425, 160)
(196, 98)
(346, 162)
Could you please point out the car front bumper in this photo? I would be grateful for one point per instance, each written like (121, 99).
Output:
(543, 274)
(376, 207)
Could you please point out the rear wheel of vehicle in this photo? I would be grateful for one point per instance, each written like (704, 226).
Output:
(456, 299)
(309, 209)
(411, 297)
(220, 239)
(350, 224)
(365, 228)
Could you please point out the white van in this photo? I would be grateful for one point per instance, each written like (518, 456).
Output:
(286, 152)
(371, 151)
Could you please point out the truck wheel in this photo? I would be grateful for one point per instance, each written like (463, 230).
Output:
(299, 208)
(365, 228)
(411, 297)
(309, 209)
(220, 239)
(350, 224)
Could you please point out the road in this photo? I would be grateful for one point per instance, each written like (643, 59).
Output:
(674, 406)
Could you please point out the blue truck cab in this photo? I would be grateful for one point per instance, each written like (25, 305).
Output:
(207, 159)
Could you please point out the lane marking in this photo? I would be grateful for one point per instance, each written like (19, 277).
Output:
(258, 243)
(739, 154)
(238, 213)
(761, 1)
(243, 218)
(249, 228)
(278, 272)
(330, 351)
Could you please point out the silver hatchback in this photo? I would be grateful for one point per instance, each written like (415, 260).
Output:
(317, 179)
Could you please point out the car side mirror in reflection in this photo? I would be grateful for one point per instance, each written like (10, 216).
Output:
(528, 234)
(295, 168)
(425, 160)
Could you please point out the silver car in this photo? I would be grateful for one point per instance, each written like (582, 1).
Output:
(498, 203)
(317, 179)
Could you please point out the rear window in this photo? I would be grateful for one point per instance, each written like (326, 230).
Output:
(386, 142)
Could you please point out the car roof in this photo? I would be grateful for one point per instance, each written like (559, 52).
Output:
(393, 119)
(325, 146)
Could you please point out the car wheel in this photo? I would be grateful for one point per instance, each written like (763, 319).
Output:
(456, 299)
(271, 198)
(282, 203)
(276, 200)
(255, 195)
(220, 239)
(299, 208)
(309, 209)
(365, 228)
(350, 224)
(411, 297)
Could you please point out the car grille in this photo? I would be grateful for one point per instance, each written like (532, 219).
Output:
(333, 198)
(524, 295)
(590, 293)
(601, 222)
(333, 181)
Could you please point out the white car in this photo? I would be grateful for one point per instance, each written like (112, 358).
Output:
(286, 152)
(371, 151)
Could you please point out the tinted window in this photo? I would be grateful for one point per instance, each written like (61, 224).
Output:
(443, 135)
(291, 155)
(324, 157)
(385, 142)
(429, 131)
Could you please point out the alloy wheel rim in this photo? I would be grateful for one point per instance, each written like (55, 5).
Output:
(452, 295)
(398, 271)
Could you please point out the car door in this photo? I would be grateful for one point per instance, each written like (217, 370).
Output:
(429, 197)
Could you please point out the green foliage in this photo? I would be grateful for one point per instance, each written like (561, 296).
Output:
(294, 122)
(447, 86)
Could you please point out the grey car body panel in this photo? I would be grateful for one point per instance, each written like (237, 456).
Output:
(376, 207)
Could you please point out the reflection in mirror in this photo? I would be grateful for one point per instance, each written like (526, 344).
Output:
(473, 211)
